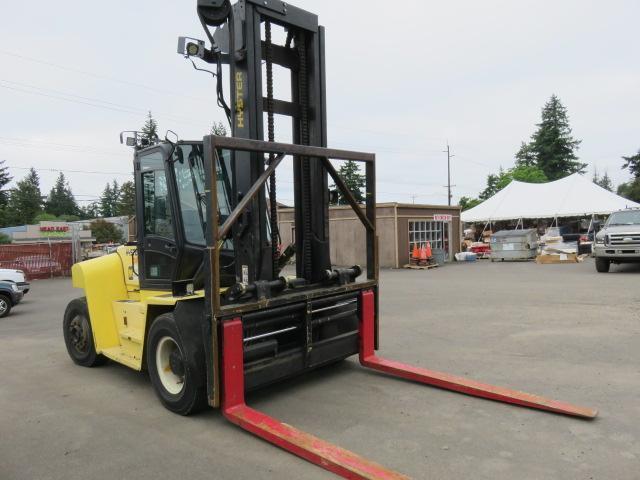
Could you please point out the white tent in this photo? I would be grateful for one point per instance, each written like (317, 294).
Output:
(572, 196)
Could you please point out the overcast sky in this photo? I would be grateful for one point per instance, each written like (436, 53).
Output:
(401, 82)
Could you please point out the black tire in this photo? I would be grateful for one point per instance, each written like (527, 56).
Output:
(5, 305)
(164, 344)
(602, 265)
(78, 335)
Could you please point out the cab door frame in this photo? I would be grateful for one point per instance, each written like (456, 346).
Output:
(151, 244)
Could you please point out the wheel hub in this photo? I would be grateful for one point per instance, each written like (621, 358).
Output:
(78, 334)
(170, 365)
(176, 363)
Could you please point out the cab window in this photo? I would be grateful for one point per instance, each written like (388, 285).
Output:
(157, 207)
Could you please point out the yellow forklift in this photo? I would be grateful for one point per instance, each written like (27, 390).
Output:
(206, 299)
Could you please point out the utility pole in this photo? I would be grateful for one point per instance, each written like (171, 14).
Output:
(448, 152)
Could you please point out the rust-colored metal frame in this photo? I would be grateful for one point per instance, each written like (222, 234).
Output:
(217, 233)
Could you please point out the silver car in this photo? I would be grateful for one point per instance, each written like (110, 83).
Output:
(619, 240)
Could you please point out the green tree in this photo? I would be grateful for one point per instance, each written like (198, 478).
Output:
(126, 200)
(25, 201)
(520, 173)
(219, 129)
(105, 232)
(109, 200)
(92, 210)
(467, 203)
(552, 148)
(630, 190)
(60, 200)
(5, 178)
(150, 129)
(354, 180)
(632, 164)
(603, 181)
(526, 156)
(45, 217)
(4, 239)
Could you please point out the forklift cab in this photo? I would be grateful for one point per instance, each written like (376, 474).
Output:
(171, 208)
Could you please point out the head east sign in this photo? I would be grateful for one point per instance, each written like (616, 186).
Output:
(54, 230)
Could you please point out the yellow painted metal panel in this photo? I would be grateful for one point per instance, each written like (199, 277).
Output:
(129, 257)
(130, 318)
(102, 281)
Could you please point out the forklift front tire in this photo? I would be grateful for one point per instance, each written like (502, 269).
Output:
(78, 336)
(172, 376)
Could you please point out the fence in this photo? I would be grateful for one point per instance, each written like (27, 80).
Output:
(38, 260)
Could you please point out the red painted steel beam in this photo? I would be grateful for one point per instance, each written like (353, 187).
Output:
(324, 454)
(369, 359)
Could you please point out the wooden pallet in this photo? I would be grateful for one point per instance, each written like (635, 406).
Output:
(421, 267)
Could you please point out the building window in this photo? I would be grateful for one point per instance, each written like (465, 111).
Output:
(423, 231)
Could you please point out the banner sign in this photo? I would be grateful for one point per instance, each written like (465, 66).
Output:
(54, 231)
(442, 218)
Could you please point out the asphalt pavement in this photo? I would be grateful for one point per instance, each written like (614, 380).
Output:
(562, 331)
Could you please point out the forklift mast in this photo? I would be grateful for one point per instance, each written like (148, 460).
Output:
(243, 38)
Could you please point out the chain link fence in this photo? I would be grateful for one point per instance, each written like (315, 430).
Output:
(39, 260)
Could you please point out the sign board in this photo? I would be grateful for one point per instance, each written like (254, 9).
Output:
(442, 218)
(54, 231)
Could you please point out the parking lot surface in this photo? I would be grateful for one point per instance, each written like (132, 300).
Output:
(561, 331)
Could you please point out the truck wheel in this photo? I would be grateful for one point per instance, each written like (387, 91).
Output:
(602, 265)
(78, 336)
(173, 379)
(5, 305)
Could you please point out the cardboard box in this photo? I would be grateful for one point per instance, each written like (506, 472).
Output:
(559, 258)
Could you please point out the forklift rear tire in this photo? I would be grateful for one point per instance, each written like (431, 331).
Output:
(602, 265)
(173, 379)
(78, 336)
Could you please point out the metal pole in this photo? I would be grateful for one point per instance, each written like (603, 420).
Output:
(448, 152)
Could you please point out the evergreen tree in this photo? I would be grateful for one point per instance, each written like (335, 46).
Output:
(630, 190)
(25, 201)
(126, 200)
(60, 200)
(92, 210)
(5, 178)
(150, 129)
(633, 164)
(219, 129)
(603, 181)
(525, 156)
(552, 147)
(109, 200)
(354, 180)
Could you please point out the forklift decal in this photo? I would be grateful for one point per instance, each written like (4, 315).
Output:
(239, 100)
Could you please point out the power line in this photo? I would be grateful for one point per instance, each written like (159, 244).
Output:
(88, 101)
(69, 171)
(57, 147)
(99, 76)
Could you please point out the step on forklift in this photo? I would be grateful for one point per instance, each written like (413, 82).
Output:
(206, 299)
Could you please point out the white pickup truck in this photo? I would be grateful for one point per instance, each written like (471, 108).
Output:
(15, 276)
(619, 240)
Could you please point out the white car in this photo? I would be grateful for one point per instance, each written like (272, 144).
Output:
(14, 276)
